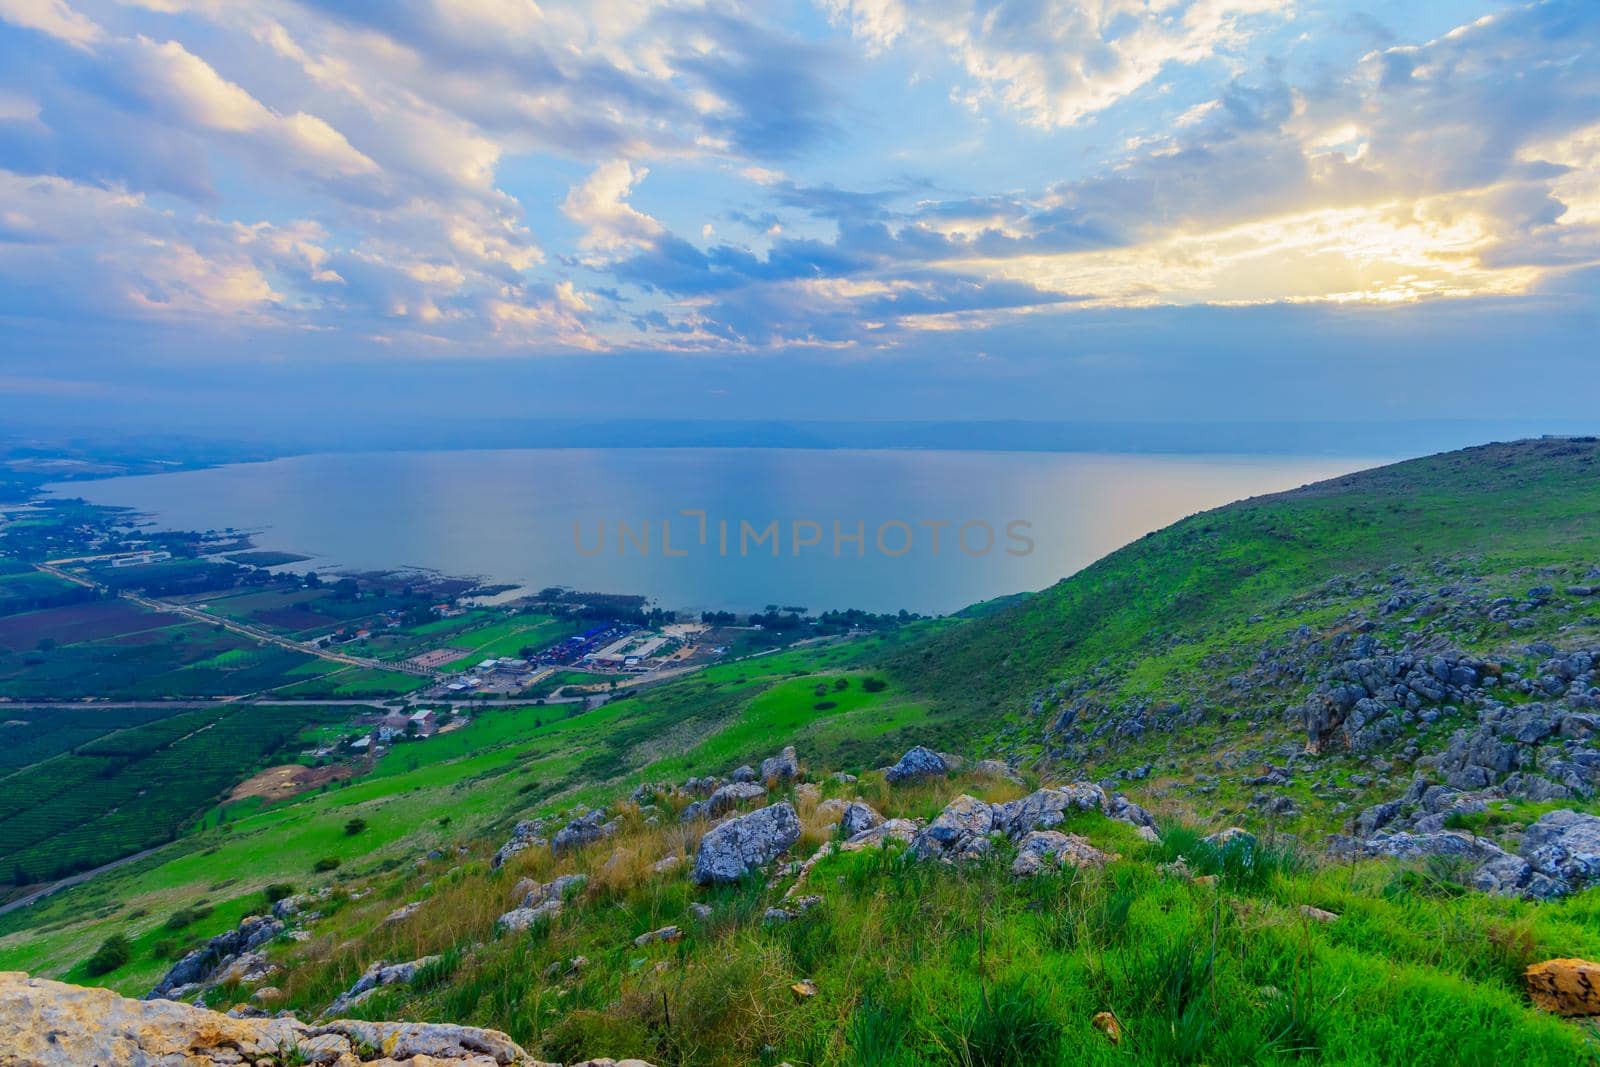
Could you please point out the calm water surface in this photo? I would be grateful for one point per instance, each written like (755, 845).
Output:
(550, 517)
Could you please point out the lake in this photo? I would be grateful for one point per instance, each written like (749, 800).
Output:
(929, 532)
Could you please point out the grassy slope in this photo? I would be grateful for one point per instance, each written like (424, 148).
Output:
(509, 762)
(1412, 976)
(1153, 611)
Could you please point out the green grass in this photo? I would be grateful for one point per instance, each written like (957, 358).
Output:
(918, 964)
(921, 963)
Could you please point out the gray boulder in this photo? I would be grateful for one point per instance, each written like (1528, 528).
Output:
(724, 800)
(961, 832)
(784, 767)
(1045, 809)
(586, 829)
(1045, 848)
(859, 817)
(558, 889)
(732, 849)
(523, 837)
(1565, 846)
(377, 976)
(916, 765)
(198, 966)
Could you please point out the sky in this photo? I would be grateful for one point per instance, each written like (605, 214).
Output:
(219, 212)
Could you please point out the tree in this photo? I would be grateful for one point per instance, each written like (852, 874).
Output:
(313, 580)
(354, 827)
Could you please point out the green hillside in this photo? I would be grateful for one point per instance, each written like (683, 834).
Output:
(1176, 671)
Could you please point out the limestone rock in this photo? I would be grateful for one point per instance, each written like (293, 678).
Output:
(523, 837)
(784, 767)
(666, 933)
(1043, 848)
(1045, 809)
(959, 833)
(916, 765)
(732, 849)
(901, 830)
(199, 966)
(859, 817)
(1565, 986)
(584, 830)
(724, 800)
(378, 975)
(51, 1024)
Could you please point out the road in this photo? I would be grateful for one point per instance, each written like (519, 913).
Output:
(75, 879)
(244, 629)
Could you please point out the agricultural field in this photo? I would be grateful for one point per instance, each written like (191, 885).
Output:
(123, 790)
(115, 649)
(24, 589)
(508, 763)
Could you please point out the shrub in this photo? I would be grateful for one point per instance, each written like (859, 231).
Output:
(326, 863)
(278, 891)
(186, 916)
(874, 685)
(354, 827)
(113, 952)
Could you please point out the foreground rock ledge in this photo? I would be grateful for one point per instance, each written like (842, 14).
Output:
(52, 1024)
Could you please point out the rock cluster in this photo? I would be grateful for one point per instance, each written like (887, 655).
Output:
(724, 800)
(526, 835)
(221, 954)
(541, 900)
(1559, 854)
(586, 829)
(916, 765)
(50, 1024)
(967, 828)
(378, 975)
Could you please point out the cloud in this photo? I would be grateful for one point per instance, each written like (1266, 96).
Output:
(600, 206)
(507, 177)
(184, 89)
(1057, 62)
(54, 17)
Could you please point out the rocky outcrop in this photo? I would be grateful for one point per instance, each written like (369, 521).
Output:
(892, 830)
(961, 832)
(526, 835)
(1041, 849)
(918, 764)
(732, 849)
(540, 901)
(1558, 855)
(967, 826)
(724, 800)
(202, 965)
(586, 829)
(378, 975)
(51, 1024)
